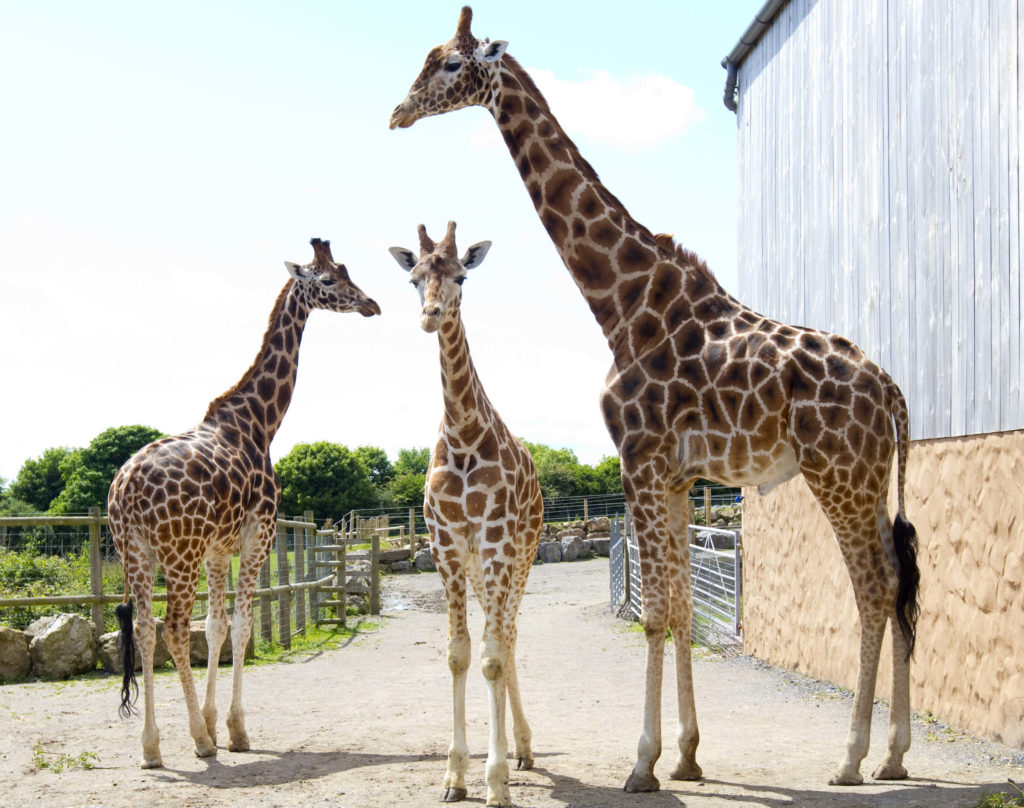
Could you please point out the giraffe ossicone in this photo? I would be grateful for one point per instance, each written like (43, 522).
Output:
(704, 387)
(208, 494)
(484, 512)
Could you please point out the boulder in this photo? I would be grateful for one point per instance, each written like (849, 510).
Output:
(110, 654)
(599, 524)
(15, 661)
(424, 561)
(37, 626)
(359, 603)
(573, 548)
(357, 586)
(549, 551)
(198, 648)
(570, 532)
(65, 647)
(401, 566)
(390, 556)
(600, 544)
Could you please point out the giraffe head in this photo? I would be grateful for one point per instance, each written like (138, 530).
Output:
(438, 274)
(326, 285)
(462, 73)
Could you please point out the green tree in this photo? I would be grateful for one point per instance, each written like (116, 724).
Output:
(412, 461)
(609, 475)
(377, 464)
(405, 490)
(558, 471)
(39, 482)
(88, 472)
(326, 478)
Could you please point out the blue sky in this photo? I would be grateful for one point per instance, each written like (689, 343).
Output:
(159, 163)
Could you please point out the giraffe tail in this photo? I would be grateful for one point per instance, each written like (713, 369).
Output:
(126, 647)
(903, 533)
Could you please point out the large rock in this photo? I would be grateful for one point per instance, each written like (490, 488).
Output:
(390, 556)
(65, 647)
(199, 650)
(569, 532)
(15, 661)
(37, 626)
(549, 551)
(573, 548)
(600, 545)
(599, 524)
(424, 561)
(110, 654)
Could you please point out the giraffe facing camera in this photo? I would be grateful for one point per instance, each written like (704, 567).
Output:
(484, 512)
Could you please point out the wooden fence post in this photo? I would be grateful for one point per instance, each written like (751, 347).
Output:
(96, 567)
(284, 611)
(375, 574)
(707, 506)
(412, 531)
(300, 573)
(266, 619)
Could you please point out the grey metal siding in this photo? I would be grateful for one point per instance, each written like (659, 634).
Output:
(880, 194)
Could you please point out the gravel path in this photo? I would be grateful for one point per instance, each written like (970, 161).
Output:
(369, 724)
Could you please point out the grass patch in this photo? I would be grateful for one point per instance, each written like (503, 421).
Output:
(84, 760)
(315, 641)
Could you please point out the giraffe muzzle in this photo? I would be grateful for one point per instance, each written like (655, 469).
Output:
(401, 117)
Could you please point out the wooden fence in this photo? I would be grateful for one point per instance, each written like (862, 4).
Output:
(313, 568)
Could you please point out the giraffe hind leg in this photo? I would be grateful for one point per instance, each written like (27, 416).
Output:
(216, 631)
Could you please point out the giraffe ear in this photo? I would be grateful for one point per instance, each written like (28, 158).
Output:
(474, 256)
(406, 260)
(295, 271)
(493, 51)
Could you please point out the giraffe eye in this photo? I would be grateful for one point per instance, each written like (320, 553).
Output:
(451, 67)
(326, 282)
(461, 280)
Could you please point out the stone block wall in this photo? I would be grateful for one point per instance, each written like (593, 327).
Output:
(965, 496)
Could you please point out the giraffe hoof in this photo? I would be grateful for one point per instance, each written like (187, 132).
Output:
(239, 744)
(890, 771)
(152, 763)
(686, 770)
(453, 795)
(205, 751)
(524, 763)
(638, 784)
(846, 779)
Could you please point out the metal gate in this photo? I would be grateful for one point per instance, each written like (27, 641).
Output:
(715, 577)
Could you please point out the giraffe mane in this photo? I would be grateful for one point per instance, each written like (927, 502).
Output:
(275, 312)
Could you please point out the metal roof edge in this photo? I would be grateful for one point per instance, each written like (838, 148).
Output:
(731, 63)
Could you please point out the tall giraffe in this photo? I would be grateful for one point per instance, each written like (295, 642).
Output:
(704, 387)
(484, 511)
(207, 494)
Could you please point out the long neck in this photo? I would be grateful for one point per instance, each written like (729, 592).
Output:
(617, 263)
(465, 403)
(258, 402)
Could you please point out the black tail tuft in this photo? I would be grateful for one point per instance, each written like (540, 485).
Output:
(126, 645)
(905, 541)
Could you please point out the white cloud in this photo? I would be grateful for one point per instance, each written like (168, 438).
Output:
(634, 112)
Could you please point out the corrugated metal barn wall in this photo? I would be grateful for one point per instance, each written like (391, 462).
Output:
(880, 194)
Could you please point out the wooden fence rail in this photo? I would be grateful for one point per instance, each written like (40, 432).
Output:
(312, 575)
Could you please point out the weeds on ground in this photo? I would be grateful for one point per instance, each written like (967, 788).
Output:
(84, 760)
(1002, 799)
(315, 641)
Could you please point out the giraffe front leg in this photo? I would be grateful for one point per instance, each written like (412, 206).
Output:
(492, 662)
(459, 652)
(649, 747)
(241, 628)
(520, 728)
(681, 622)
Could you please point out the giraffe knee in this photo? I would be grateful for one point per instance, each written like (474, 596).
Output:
(492, 667)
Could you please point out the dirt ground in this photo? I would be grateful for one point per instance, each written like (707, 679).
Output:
(369, 725)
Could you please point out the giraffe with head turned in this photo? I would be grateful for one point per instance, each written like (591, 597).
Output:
(483, 509)
(210, 493)
(704, 387)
